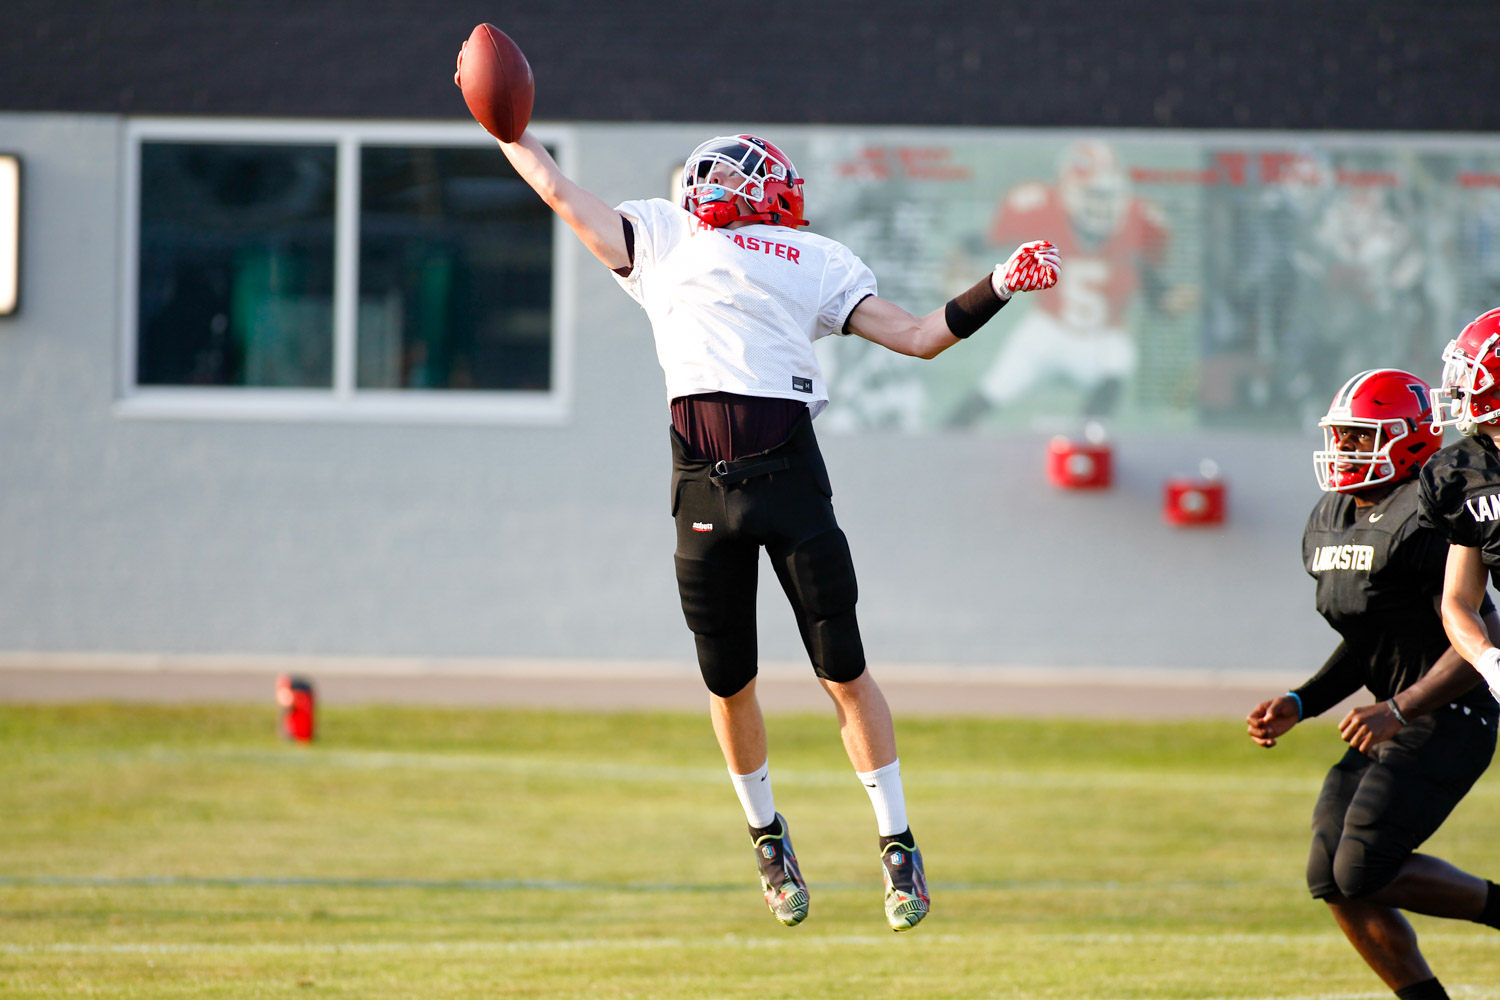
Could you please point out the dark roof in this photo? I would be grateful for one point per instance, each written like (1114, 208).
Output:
(1301, 64)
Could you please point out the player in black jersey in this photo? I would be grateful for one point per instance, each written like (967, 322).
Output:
(1431, 733)
(1461, 488)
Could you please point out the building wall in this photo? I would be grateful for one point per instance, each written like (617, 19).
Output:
(1266, 64)
(124, 533)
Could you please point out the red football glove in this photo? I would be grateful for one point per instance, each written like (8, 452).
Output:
(1033, 267)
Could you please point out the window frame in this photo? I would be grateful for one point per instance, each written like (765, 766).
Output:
(343, 400)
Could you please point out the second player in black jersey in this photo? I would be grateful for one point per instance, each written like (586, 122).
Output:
(1431, 733)
(1461, 490)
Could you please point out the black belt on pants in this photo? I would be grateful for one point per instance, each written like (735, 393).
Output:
(741, 469)
(798, 450)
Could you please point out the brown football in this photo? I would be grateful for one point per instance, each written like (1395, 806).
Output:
(496, 81)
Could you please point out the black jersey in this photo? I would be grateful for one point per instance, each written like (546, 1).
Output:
(1461, 497)
(1380, 574)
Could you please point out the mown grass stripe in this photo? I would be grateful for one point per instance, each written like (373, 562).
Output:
(563, 885)
(1328, 937)
(313, 759)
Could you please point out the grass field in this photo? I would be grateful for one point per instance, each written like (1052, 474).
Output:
(184, 852)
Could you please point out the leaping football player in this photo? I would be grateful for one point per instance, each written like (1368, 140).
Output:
(1417, 750)
(736, 292)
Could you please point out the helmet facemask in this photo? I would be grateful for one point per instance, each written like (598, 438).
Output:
(726, 171)
(1465, 381)
(1342, 471)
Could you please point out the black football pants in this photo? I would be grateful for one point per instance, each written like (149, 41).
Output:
(726, 512)
(1375, 810)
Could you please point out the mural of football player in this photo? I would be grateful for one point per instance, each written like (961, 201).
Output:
(1115, 242)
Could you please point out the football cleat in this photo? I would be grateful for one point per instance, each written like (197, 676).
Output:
(906, 901)
(780, 877)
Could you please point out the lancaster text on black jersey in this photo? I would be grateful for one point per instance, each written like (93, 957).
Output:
(1379, 573)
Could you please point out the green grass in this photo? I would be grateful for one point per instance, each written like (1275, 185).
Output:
(170, 852)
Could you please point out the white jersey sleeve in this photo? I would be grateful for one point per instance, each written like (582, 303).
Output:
(656, 233)
(849, 282)
(737, 310)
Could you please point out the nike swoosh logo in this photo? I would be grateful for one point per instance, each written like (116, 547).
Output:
(1375, 517)
(868, 785)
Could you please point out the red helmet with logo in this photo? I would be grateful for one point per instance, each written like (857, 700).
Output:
(759, 177)
(1396, 406)
(1470, 395)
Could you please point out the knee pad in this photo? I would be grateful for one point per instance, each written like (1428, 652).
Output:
(825, 590)
(835, 648)
(1360, 872)
(718, 602)
(1327, 830)
(1320, 879)
(822, 573)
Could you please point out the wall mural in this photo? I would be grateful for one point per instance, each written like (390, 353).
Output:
(1204, 282)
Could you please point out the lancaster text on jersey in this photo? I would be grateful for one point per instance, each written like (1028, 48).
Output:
(1484, 508)
(1357, 557)
(781, 250)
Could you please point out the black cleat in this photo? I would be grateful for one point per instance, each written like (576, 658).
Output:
(906, 901)
(780, 878)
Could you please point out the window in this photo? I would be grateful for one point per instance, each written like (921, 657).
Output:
(338, 271)
(455, 272)
(236, 265)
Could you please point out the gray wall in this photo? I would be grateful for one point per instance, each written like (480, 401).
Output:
(128, 534)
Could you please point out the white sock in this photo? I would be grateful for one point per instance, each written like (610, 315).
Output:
(754, 790)
(884, 786)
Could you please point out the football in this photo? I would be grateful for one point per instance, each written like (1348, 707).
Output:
(496, 80)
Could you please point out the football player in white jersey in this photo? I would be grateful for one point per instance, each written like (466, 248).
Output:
(736, 293)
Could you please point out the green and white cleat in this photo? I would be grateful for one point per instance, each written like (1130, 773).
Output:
(780, 878)
(906, 901)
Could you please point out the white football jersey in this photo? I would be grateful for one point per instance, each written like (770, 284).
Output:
(737, 310)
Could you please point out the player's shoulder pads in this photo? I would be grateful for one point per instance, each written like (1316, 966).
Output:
(1396, 513)
(1330, 513)
(1456, 490)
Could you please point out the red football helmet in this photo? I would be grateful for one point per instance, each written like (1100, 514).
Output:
(1469, 396)
(759, 177)
(1396, 405)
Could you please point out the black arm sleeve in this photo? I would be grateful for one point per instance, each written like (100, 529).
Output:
(1340, 677)
(970, 310)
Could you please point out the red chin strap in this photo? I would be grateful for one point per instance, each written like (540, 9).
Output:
(718, 214)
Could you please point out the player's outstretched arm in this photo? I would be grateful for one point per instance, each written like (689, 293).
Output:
(597, 224)
(1464, 580)
(883, 322)
(1032, 267)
